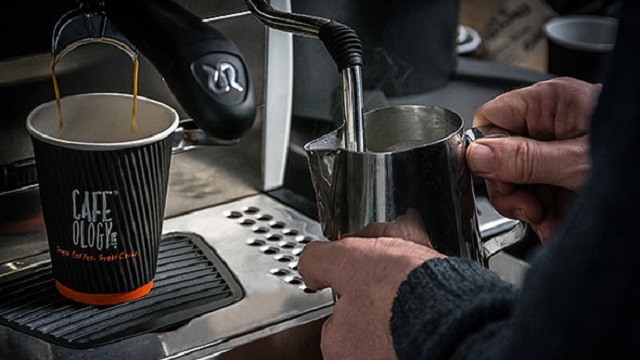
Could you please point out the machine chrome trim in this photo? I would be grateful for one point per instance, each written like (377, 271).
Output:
(278, 104)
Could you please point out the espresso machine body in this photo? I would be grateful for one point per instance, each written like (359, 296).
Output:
(218, 210)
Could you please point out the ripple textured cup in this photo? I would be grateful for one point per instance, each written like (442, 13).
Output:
(103, 191)
(580, 45)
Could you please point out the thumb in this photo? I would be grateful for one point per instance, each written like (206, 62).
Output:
(320, 262)
(520, 160)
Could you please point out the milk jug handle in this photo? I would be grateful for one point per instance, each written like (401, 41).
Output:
(486, 132)
(495, 243)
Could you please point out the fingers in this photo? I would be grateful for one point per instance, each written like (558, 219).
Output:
(545, 230)
(539, 206)
(409, 227)
(515, 202)
(319, 262)
(555, 109)
(521, 204)
(327, 339)
(520, 160)
(505, 111)
(339, 264)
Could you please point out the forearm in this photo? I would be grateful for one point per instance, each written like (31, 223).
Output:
(450, 308)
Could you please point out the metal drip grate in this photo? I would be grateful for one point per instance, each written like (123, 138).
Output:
(191, 280)
(274, 238)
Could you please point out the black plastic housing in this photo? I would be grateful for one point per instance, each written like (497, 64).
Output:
(187, 52)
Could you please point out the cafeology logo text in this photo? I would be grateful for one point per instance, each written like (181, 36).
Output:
(93, 224)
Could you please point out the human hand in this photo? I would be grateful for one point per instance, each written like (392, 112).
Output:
(365, 275)
(535, 176)
(408, 227)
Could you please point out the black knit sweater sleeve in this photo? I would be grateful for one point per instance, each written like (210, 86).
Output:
(581, 296)
(447, 305)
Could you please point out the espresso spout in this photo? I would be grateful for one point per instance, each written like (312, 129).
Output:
(205, 71)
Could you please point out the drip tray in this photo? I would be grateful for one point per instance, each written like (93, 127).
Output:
(191, 280)
(245, 298)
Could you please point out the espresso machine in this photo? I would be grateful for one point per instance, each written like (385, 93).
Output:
(240, 207)
(229, 248)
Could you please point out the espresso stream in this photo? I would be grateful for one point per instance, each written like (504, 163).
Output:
(56, 90)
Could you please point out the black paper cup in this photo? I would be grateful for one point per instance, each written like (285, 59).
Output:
(103, 190)
(580, 45)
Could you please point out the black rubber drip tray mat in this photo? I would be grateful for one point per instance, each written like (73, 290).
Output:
(191, 280)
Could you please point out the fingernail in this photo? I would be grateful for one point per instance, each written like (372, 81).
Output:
(543, 239)
(520, 215)
(481, 158)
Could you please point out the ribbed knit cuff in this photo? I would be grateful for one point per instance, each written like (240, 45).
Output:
(442, 303)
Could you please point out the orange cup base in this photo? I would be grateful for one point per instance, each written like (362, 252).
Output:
(104, 299)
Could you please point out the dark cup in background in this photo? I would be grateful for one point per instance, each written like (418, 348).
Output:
(103, 190)
(579, 46)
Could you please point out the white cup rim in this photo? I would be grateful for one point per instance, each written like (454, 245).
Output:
(37, 133)
(587, 20)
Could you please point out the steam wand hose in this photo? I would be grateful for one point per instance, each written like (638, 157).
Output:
(344, 46)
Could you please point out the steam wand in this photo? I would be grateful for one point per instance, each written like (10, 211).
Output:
(344, 46)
